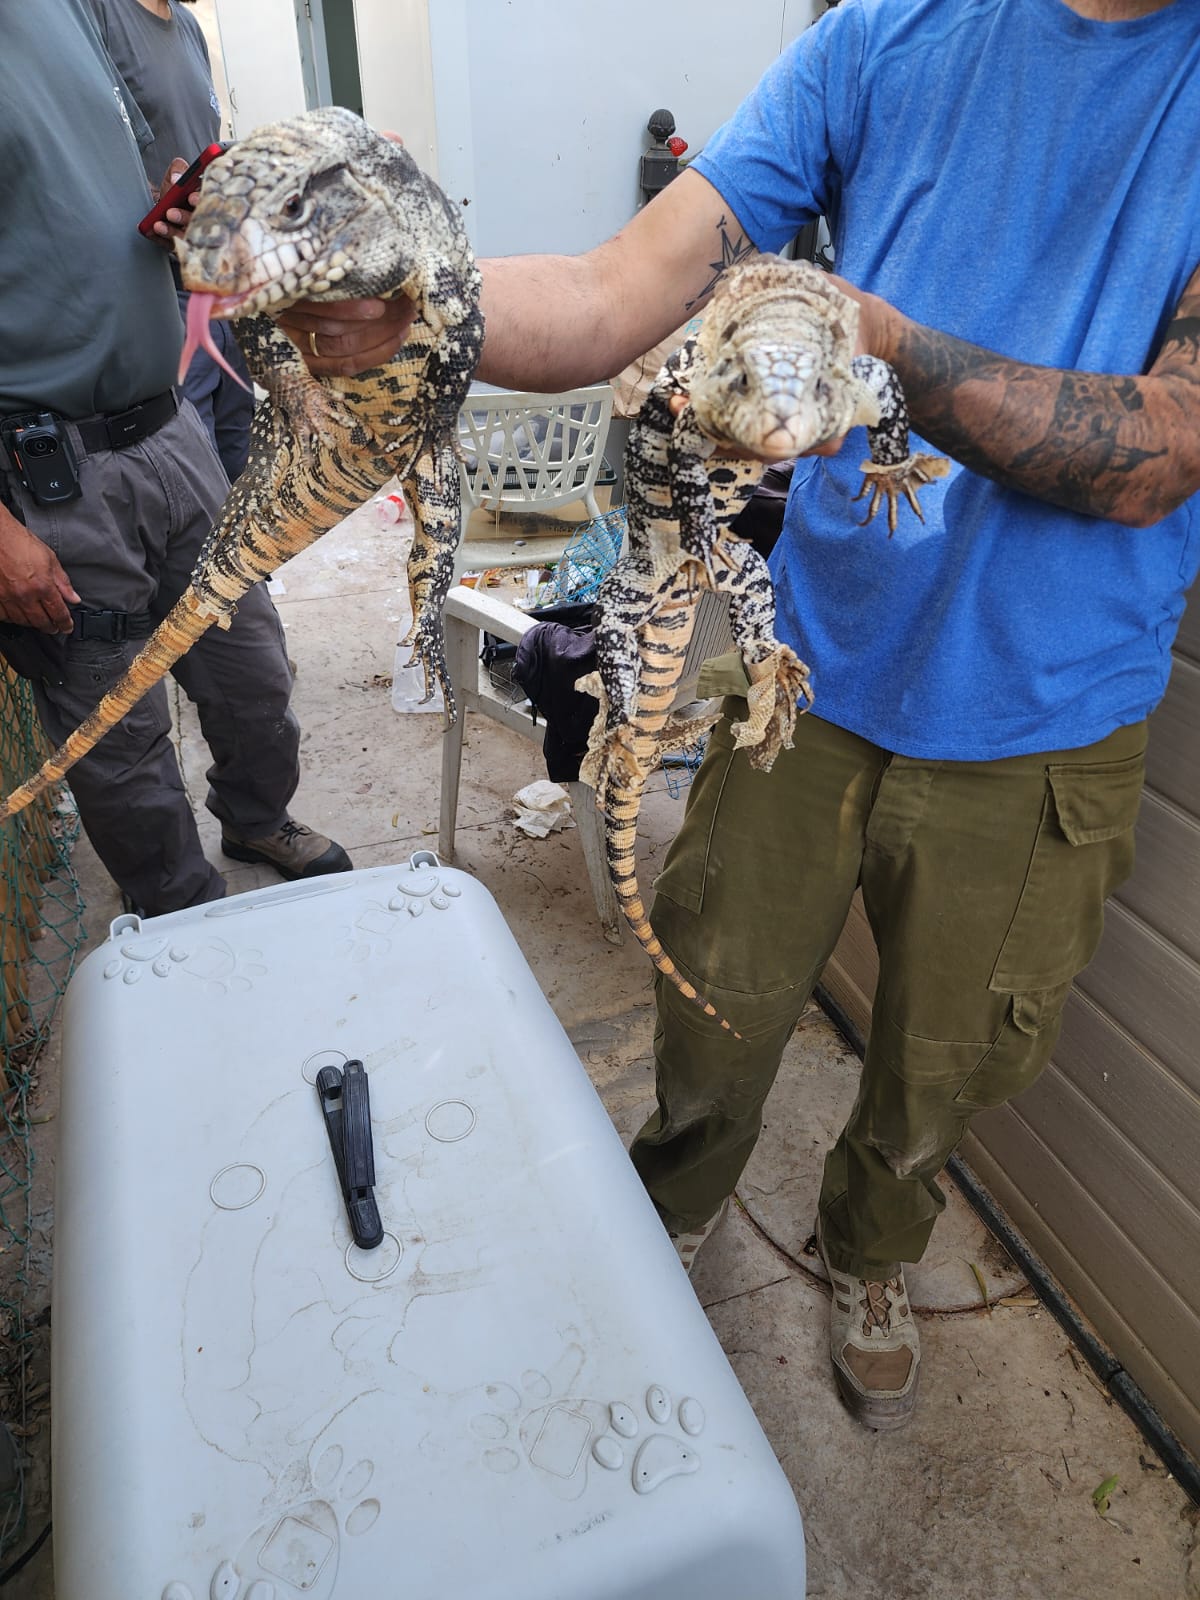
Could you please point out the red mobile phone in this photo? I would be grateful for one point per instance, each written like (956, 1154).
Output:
(177, 194)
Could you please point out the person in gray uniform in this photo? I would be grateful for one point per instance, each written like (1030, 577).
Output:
(104, 506)
(161, 54)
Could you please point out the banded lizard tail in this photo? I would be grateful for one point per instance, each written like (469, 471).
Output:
(770, 375)
(319, 206)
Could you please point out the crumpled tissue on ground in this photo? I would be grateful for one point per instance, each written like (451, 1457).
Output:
(542, 808)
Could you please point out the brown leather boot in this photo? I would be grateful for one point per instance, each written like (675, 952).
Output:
(294, 851)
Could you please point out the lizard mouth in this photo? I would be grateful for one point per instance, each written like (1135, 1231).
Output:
(782, 443)
(202, 308)
(785, 442)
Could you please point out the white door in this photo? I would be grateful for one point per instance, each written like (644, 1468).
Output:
(397, 72)
(314, 60)
(281, 56)
(260, 45)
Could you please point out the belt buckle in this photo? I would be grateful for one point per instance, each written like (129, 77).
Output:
(110, 627)
(125, 428)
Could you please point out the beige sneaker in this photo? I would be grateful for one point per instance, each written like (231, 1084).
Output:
(875, 1347)
(687, 1245)
(294, 851)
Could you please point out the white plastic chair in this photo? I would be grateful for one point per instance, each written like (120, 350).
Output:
(528, 453)
(466, 615)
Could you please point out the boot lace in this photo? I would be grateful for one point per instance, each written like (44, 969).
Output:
(877, 1305)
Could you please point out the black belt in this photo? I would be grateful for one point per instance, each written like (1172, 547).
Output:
(43, 657)
(111, 626)
(127, 427)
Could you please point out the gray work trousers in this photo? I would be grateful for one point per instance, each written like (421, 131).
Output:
(129, 544)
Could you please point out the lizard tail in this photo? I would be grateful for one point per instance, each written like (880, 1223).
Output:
(621, 829)
(187, 620)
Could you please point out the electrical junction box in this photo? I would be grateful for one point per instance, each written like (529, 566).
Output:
(514, 1396)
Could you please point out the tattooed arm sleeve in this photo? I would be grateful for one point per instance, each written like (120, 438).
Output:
(1122, 447)
(553, 322)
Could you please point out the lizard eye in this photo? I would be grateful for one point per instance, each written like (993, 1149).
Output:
(296, 209)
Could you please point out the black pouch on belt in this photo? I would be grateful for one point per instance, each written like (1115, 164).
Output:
(40, 657)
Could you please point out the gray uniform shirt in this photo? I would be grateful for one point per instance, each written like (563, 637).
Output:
(89, 320)
(165, 63)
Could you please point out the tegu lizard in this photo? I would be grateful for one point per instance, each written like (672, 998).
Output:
(770, 375)
(319, 206)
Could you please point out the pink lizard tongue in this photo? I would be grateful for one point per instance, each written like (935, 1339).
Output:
(198, 335)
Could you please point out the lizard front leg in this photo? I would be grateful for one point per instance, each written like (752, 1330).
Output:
(891, 471)
(688, 450)
(433, 491)
(778, 678)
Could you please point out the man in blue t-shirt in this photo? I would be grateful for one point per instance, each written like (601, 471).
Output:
(1013, 190)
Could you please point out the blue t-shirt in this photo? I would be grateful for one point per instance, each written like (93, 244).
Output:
(1028, 180)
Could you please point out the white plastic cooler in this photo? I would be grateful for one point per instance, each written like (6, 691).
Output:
(515, 1396)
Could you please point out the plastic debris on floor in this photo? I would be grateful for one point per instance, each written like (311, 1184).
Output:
(542, 808)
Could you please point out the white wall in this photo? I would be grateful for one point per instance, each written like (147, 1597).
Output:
(261, 58)
(531, 113)
(397, 75)
(542, 104)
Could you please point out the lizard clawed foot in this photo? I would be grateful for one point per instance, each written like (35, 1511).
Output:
(612, 764)
(611, 760)
(778, 681)
(429, 654)
(890, 481)
(313, 412)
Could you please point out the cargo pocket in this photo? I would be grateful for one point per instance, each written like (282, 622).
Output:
(1021, 1050)
(95, 665)
(1083, 851)
(723, 675)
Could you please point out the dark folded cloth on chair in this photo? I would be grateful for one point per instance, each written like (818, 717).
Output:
(761, 519)
(550, 658)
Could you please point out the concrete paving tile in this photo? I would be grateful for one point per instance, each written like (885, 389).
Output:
(987, 1493)
(542, 889)
(359, 554)
(737, 1260)
(615, 1052)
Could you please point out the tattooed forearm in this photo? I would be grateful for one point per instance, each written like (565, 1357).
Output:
(1120, 447)
(554, 322)
(731, 249)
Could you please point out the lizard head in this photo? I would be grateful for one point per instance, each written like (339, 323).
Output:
(297, 210)
(773, 354)
(301, 209)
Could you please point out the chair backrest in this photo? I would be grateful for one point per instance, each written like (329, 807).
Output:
(532, 450)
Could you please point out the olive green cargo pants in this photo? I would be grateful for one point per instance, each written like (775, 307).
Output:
(984, 884)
